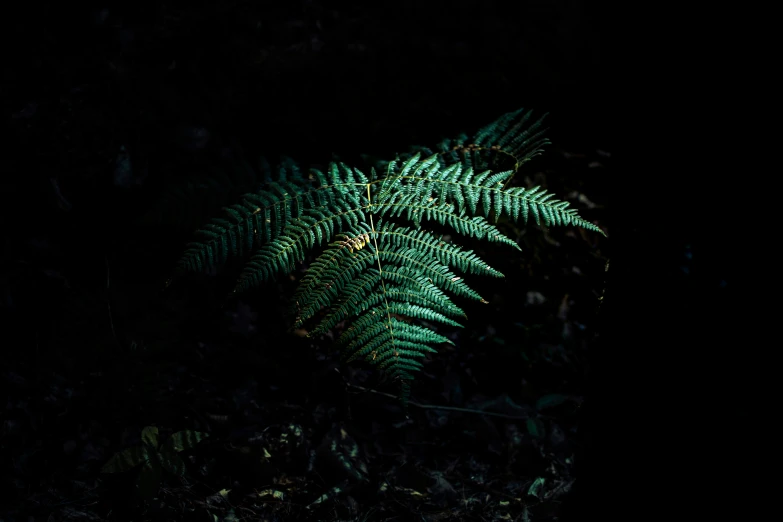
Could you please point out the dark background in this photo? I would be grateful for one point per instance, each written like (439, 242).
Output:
(111, 111)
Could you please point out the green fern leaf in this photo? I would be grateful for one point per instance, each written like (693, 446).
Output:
(380, 268)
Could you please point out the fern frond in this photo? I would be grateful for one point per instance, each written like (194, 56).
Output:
(379, 269)
(415, 211)
(313, 228)
(505, 144)
(467, 191)
(262, 215)
(514, 134)
(348, 282)
(444, 251)
(394, 346)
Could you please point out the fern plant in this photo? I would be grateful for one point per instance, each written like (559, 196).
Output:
(379, 268)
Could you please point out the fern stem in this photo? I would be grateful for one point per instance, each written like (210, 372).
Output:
(436, 407)
(380, 270)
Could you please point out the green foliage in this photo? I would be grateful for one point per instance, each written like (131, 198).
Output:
(154, 458)
(379, 268)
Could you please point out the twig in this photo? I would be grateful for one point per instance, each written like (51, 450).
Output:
(436, 407)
